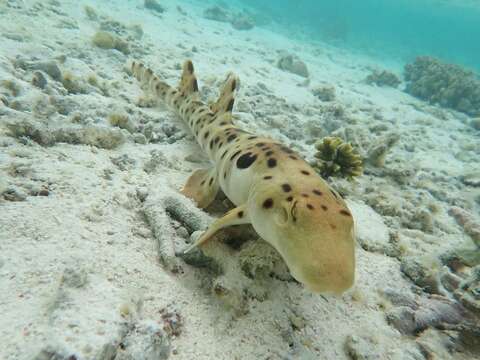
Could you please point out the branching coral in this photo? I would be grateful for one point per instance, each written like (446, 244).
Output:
(337, 158)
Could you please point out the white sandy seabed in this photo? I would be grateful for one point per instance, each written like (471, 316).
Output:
(90, 214)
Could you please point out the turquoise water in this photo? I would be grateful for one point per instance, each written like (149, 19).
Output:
(401, 29)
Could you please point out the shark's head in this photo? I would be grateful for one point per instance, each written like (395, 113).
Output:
(312, 229)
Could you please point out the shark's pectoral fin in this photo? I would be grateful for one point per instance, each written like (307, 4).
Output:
(235, 216)
(201, 187)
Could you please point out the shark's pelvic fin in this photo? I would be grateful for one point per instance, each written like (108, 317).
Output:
(202, 187)
(237, 216)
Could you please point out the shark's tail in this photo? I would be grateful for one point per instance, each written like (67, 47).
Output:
(149, 81)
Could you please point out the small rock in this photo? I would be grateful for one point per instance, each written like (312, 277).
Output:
(154, 5)
(13, 193)
(198, 259)
(436, 344)
(402, 318)
(123, 162)
(91, 13)
(172, 322)
(216, 13)
(399, 299)
(370, 229)
(324, 93)
(197, 157)
(293, 64)
(51, 352)
(362, 348)
(157, 159)
(39, 80)
(49, 67)
(242, 22)
(469, 291)
(139, 139)
(470, 224)
(170, 129)
(422, 271)
(475, 123)
(74, 277)
(472, 179)
(147, 341)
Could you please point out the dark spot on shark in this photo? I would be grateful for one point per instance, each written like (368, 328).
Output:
(286, 187)
(268, 203)
(230, 105)
(235, 155)
(345, 212)
(271, 163)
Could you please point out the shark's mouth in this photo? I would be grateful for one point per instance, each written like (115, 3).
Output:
(293, 210)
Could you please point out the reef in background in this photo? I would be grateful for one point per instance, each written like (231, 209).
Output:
(446, 84)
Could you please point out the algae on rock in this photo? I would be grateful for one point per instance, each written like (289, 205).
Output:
(383, 78)
(105, 40)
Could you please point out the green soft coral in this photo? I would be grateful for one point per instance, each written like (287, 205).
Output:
(337, 158)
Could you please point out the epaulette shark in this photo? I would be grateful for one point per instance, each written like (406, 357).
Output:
(288, 204)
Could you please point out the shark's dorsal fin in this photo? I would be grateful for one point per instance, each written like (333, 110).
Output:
(226, 98)
(188, 83)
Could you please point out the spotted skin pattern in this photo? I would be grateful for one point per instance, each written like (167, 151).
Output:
(286, 201)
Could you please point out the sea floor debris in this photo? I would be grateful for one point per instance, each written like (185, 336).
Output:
(92, 225)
